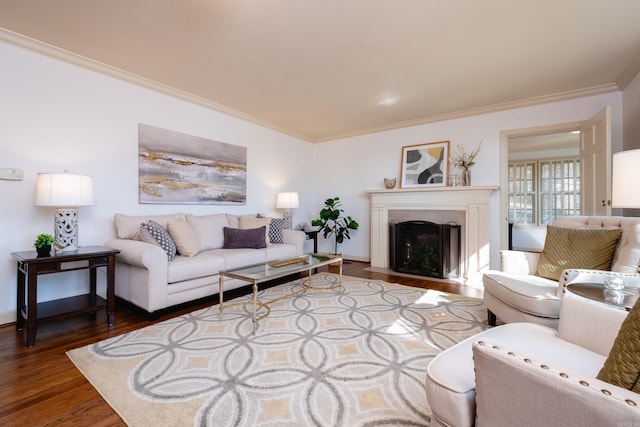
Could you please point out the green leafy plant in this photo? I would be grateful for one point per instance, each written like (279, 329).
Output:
(331, 222)
(43, 240)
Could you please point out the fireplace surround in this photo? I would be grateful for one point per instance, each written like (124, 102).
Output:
(471, 202)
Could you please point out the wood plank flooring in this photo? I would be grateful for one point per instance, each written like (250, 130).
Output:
(39, 386)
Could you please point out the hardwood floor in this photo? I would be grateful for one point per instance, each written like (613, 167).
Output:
(39, 386)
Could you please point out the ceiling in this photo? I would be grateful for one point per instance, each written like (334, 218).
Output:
(325, 69)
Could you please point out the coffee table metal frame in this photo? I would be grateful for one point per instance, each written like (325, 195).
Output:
(266, 271)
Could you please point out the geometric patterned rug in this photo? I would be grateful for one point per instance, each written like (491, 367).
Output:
(354, 355)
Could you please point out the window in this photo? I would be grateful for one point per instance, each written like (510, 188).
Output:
(542, 190)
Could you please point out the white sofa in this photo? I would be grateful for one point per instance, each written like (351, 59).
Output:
(516, 294)
(529, 374)
(147, 278)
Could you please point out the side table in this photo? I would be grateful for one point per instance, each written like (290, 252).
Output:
(624, 298)
(313, 235)
(30, 266)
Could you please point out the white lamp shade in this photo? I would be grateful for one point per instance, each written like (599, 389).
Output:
(64, 189)
(287, 201)
(625, 192)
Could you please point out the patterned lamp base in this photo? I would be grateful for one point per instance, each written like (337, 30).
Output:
(66, 229)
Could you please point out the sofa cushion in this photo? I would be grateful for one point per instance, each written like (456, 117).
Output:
(236, 258)
(154, 233)
(530, 294)
(571, 248)
(205, 264)
(209, 229)
(128, 226)
(622, 367)
(184, 236)
(253, 238)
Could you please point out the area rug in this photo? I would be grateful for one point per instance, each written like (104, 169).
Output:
(349, 355)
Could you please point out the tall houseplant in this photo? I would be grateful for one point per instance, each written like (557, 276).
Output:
(331, 222)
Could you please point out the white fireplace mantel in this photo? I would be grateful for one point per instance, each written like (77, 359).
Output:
(474, 201)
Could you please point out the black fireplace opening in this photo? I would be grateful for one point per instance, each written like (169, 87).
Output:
(425, 248)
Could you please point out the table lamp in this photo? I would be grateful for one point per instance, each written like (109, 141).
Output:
(624, 188)
(66, 192)
(287, 201)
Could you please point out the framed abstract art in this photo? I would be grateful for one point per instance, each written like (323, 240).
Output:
(175, 168)
(424, 165)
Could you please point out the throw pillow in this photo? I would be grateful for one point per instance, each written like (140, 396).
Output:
(152, 232)
(247, 222)
(275, 230)
(252, 238)
(576, 248)
(185, 237)
(209, 229)
(622, 367)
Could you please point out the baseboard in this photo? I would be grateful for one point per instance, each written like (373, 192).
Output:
(7, 317)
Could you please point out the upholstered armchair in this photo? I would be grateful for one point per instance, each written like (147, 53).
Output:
(525, 374)
(530, 285)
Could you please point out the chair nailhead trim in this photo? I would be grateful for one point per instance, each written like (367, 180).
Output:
(527, 360)
(631, 402)
(584, 383)
(544, 367)
(607, 392)
(563, 375)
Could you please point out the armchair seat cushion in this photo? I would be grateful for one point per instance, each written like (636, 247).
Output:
(530, 294)
(450, 384)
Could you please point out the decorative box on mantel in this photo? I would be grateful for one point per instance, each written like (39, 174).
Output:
(472, 201)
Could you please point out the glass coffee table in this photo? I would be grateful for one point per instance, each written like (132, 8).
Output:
(264, 272)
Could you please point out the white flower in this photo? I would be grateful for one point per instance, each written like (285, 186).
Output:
(465, 160)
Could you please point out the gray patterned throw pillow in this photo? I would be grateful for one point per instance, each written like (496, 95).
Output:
(275, 230)
(152, 232)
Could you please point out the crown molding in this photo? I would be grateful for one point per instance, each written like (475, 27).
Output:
(561, 96)
(64, 55)
(49, 50)
(630, 72)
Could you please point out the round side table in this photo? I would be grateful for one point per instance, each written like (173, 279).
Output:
(624, 298)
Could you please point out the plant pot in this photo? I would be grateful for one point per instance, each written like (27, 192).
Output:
(44, 251)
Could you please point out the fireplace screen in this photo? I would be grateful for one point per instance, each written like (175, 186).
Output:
(425, 248)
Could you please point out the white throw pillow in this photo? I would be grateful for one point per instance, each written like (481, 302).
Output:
(209, 229)
(248, 222)
(185, 237)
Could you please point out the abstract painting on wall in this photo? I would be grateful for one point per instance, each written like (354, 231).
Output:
(424, 164)
(175, 168)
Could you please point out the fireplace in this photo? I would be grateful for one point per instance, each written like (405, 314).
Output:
(472, 202)
(425, 248)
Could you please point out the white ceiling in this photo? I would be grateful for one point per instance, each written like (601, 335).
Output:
(324, 69)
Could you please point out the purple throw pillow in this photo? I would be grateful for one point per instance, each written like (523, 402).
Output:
(252, 238)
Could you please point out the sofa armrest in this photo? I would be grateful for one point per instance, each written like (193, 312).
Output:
(589, 324)
(140, 254)
(519, 262)
(514, 390)
(294, 237)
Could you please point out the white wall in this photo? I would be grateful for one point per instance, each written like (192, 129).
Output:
(54, 115)
(348, 166)
(631, 106)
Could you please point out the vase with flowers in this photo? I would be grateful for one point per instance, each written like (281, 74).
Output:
(464, 160)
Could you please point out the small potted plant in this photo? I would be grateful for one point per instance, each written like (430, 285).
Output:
(331, 222)
(43, 244)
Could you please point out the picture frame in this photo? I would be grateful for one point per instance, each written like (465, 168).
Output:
(425, 165)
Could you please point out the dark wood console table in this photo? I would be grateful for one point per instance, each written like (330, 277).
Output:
(30, 266)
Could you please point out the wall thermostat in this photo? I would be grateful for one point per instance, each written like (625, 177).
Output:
(11, 174)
